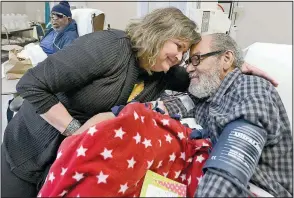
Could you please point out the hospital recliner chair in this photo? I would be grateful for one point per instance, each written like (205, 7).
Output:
(276, 60)
(88, 20)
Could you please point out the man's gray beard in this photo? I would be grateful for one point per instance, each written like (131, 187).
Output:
(207, 85)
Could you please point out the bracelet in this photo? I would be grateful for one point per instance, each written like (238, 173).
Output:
(72, 127)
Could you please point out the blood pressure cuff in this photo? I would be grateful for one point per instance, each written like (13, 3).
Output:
(238, 150)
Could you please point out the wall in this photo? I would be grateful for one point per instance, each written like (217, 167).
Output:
(10, 7)
(264, 22)
(33, 7)
(24, 7)
(260, 21)
(117, 13)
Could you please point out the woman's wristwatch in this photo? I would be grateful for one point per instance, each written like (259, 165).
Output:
(72, 127)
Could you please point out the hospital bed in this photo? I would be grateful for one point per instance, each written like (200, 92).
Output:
(276, 60)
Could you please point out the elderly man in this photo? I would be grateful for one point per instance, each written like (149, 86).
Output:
(245, 119)
(63, 31)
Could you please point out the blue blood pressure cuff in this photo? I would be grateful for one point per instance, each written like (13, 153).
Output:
(238, 150)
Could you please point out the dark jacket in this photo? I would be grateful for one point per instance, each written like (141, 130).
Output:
(97, 72)
(65, 37)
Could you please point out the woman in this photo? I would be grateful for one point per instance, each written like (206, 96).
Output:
(93, 74)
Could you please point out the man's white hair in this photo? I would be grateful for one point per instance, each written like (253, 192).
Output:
(221, 41)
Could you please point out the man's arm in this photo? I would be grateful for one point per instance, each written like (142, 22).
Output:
(213, 185)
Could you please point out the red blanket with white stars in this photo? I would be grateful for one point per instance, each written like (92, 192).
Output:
(112, 157)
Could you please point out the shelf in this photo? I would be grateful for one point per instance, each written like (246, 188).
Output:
(16, 31)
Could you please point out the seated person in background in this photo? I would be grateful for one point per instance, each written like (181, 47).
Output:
(221, 97)
(63, 31)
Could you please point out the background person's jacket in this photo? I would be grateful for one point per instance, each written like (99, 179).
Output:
(61, 39)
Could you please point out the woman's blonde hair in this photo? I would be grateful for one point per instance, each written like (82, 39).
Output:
(150, 33)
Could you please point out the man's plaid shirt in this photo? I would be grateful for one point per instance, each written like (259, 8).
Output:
(257, 101)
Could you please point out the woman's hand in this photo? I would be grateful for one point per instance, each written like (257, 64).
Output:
(250, 69)
(94, 120)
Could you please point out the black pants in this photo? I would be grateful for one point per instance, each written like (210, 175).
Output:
(13, 186)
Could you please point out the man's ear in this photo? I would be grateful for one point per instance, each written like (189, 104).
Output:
(228, 59)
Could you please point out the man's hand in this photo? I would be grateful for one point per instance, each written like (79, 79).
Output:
(250, 69)
(160, 105)
(95, 120)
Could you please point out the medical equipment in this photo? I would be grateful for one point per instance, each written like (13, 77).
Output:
(208, 17)
(237, 150)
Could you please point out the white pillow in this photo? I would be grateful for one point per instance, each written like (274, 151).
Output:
(276, 60)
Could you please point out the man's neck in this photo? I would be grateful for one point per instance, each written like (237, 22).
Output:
(60, 29)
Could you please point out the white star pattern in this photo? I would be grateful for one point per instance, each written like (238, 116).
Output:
(181, 135)
(63, 193)
(131, 163)
(165, 174)
(204, 144)
(165, 122)
(183, 155)
(106, 153)
(199, 179)
(190, 159)
(177, 174)
(168, 138)
(200, 158)
(78, 176)
(63, 171)
(137, 138)
(51, 177)
(102, 178)
(81, 151)
(92, 130)
(78, 195)
(149, 164)
(136, 115)
(189, 180)
(119, 133)
(155, 124)
(172, 157)
(142, 119)
(183, 177)
(59, 155)
(147, 143)
(159, 142)
(39, 195)
(123, 188)
(159, 164)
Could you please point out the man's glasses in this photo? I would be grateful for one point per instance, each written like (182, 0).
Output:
(55, 15)
(196, 58)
